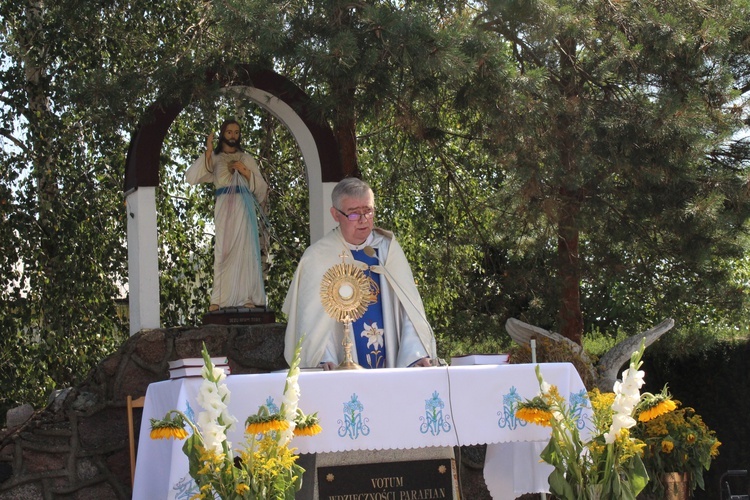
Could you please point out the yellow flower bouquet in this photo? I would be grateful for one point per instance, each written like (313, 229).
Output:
(266, 467)
(678, 441)
(607, 464)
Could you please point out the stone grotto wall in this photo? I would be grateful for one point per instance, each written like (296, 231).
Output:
(77, 447)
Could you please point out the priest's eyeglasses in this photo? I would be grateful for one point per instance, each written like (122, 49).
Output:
(354, 216)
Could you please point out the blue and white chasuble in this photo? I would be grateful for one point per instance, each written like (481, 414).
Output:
(368, 331)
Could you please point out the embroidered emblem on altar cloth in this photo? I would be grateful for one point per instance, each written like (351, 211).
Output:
(354, 424)
(578, 401)
(434, 422)
(271, 406)
(508, 413)
(189, 412)
(186, 488)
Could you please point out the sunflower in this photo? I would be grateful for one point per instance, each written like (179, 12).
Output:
(655, 406)
(168, 428)
(535, 415)
(262, 426)
(308, 430)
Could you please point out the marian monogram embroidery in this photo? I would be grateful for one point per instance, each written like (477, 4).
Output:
(186, 488)
(434, 422)
(508, 413)
(271, 406)
(354, 424)
(189, 412)
(578, 401)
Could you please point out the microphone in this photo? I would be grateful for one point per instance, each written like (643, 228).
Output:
(370, 252)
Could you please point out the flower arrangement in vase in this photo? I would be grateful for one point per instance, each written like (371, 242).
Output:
(677, 442)
(607, 464)
(266, 467)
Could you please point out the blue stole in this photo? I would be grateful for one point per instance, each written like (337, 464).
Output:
(368, 330)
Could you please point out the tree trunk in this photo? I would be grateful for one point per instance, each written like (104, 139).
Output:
(344, 121)
(344, 130)
(570, 317)
(40, 117)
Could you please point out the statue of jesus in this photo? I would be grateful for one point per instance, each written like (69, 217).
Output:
(241, 193)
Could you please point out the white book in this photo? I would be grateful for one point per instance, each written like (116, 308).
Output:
(193, 371)
(179, 363)
(480, 359)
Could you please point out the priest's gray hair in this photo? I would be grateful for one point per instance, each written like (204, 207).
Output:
(351, 187)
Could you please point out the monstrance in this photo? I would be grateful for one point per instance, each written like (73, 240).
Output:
(345, 293)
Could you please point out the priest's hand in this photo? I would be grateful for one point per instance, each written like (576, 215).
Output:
(327, 365)
(426, 361)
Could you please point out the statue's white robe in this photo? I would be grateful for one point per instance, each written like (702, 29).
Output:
(408, 335)
(238, 271)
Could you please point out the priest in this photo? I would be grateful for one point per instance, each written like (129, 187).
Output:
(394, 331)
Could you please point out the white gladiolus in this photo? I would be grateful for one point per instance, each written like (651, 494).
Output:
(228, 420)
(210, 399)
(214, 420)
(215, 373)
(290, 402)
(213, 436)
(545, 388)
(627, 396)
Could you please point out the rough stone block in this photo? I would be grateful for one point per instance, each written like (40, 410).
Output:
(151, 346)
(101, 491)
(27, 491)
(104, 429)
(86, 469)
(188, 343)
(39, 461)
(134, 381)
(259, 346)
(16, 417)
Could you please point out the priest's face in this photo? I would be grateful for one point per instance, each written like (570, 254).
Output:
(362, 210)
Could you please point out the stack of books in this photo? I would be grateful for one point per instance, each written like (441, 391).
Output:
(480, 359)
(191, 367)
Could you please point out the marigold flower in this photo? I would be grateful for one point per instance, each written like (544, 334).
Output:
(241, 489)
(667, 446)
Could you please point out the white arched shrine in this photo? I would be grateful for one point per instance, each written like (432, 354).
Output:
(320, 193)
(270, 91)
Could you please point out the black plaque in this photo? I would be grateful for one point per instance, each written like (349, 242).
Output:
(239, 316)
(412, 480)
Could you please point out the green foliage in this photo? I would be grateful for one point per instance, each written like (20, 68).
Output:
(67, 105)
(597, 343)
(496, 136)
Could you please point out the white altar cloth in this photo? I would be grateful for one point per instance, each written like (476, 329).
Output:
(395, 408)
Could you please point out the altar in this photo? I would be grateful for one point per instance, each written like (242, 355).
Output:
(394, 409)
